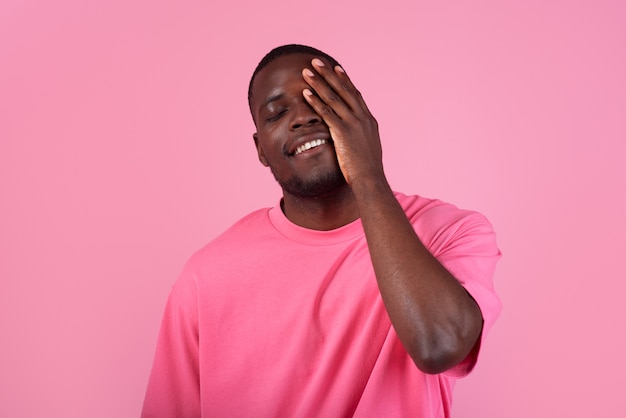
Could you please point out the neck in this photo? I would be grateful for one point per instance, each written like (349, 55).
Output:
(322, 213)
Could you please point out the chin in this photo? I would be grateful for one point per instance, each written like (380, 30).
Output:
(320, 186)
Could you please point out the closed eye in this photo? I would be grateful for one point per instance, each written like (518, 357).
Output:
(275, 116)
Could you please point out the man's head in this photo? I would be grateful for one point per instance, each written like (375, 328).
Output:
(280, 52)
(291, 138)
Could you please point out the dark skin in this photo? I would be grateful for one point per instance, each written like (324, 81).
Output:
(435, 318)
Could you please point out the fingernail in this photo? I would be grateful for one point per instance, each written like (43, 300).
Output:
(308, 72)
(338, 68)
(307, 92)
(318, 62)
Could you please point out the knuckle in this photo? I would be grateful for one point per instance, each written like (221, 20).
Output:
(350, 90)
(326, 110)
(332, 97)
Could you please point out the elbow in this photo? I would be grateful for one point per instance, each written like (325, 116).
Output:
(443, 350)
(435, 360)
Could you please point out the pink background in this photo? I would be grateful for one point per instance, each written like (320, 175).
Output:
(125, 145)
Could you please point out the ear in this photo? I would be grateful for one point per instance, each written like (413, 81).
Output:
(259, 150)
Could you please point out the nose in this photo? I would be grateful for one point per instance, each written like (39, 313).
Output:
(304, 115)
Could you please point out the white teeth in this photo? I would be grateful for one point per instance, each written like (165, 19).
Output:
(309, 145)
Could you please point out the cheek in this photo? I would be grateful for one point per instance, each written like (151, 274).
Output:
(272, 145)
(269, 153)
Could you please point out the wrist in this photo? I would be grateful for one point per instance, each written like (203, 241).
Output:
(370, 187)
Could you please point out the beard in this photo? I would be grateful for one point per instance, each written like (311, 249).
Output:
(320, 186)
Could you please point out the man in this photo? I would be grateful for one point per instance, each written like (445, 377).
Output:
(345, 299)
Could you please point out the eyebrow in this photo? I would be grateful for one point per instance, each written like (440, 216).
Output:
(273, 98)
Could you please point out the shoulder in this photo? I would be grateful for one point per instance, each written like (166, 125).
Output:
(244, 232)
(227, 248)
(437, 213)
(441, 225)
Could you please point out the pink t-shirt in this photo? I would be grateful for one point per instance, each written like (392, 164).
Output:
(274, 320)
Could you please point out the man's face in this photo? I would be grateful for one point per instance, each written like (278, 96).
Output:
(291, 138)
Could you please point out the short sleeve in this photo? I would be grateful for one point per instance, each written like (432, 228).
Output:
(174, 384)
(468, 250)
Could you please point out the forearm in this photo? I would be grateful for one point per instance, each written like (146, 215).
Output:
(435, 318)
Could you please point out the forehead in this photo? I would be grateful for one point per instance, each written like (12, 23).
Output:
(279, 75)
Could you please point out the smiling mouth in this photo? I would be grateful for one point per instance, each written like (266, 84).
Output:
(310, 145)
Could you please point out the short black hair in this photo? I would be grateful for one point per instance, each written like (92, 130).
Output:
(282, 51)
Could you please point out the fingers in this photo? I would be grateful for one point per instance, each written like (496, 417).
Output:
(324, 101)
(334, 91)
